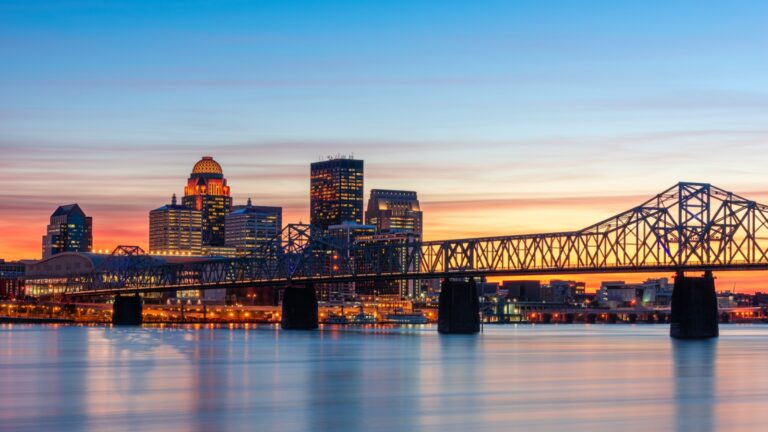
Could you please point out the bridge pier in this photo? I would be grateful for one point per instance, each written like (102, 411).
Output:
(127, 310)
(459, 308)
(299, 311)
(694, 307)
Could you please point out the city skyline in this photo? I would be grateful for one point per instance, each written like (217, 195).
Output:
(753, 281)
(537, 117)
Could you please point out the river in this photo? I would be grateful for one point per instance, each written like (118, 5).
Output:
(525, 377)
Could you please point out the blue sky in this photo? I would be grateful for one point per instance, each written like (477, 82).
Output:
(475, 104)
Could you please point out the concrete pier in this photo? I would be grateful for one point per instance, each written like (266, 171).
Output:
(127, 310)
(299, 308)
(459, 308)
(694, 308)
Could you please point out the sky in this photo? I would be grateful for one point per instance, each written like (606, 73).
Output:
(507, 117)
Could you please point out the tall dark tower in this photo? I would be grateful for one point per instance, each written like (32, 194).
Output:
(336, 192)
(207, 191)
(70, 230)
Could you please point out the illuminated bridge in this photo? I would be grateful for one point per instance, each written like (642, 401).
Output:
(688, 227)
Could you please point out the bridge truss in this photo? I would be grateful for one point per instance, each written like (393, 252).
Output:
(690, 226)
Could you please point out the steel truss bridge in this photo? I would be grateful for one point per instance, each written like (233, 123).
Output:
(690, 226)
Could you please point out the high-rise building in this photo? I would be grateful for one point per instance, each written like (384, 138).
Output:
(345, 234)
(405, 257)
(70, 230)
(207, 192)
(336, 192)
(250, 226)
(394, 211)
(175, 228)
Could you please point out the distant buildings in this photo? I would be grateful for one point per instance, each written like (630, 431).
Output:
(175, 228)
(11, 279)
(248, 227)
(522, 290)
(207, 192)
(399, 253)
(69, 230)
(394, 211)
(652, 292)
(336, 192)
(348, 231)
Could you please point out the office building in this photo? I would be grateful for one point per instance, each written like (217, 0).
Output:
(70, 230)
(400, 252)
(249, 227)
(175, 228)
(208, 193)
(344, 234)
(394, 211)
(336, 192)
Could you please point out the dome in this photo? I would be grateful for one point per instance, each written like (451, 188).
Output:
(207, 165)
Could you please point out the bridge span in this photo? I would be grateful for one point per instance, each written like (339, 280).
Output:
(690, 227)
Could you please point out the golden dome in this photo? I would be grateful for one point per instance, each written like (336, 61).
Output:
(207, 165)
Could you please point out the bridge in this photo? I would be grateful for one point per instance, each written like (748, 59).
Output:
(688, 227)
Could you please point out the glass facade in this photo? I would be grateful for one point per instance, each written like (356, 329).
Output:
(70, 230)
(336, 192)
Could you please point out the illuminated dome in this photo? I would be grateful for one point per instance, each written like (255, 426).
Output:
(207, 165)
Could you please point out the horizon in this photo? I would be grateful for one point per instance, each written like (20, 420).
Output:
(505, 118)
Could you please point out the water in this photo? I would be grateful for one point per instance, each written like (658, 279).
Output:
(532, 378)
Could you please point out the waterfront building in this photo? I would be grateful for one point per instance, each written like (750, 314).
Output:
(521, 290)
(11, 279)
(69, 230)
(175, 228)
(488, 289)
(652, 292)
(248, 227)
(394, 211)
(208, 193)
(560, 291)
(336, 192)
(52, 275)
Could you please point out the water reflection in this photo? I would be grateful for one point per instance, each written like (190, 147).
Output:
(534, 378)
(695, 384)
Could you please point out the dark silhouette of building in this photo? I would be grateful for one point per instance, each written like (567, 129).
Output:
(70, 230)
(336, 192)
(175, 228)
(394, 211)
(207, 192)
(404, 247)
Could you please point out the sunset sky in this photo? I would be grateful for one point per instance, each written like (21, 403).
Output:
(507, 117)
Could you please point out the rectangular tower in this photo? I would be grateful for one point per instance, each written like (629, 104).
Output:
(249, 227)
(336, 192)
(393, 211)
(175, 229)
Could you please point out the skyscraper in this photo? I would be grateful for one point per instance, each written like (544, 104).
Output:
(175, 228)
(70, 230)
(393, 211)
(250, 226)
(336, 192)
(207, 192)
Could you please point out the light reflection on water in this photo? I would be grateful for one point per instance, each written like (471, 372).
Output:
(534, 378)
